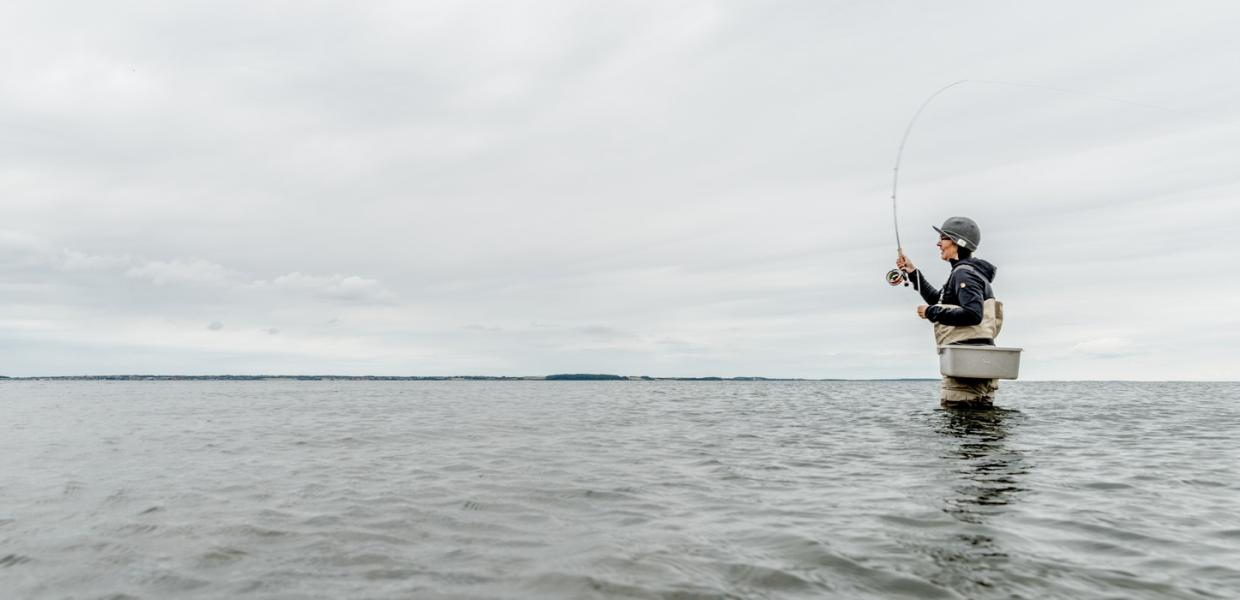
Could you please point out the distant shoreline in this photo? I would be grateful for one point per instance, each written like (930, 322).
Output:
(557, 377)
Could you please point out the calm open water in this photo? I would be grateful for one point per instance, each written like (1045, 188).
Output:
(282, 489)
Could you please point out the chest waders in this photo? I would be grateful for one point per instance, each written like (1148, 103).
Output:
(962, 392)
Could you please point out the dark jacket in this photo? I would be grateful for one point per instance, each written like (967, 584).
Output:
(967, 287)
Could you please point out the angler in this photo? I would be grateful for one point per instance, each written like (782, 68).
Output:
(965, 312)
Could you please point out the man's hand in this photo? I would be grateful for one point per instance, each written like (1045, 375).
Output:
(904, 264)
(921, 310)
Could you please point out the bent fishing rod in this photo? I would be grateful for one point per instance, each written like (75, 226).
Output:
(896, 276)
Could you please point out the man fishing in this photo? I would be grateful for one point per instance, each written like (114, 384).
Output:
(965, 311)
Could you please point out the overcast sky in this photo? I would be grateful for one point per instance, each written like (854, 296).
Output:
(658, 188)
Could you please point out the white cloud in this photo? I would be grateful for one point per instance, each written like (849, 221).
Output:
(336, 287)
(194, 272)
(1107, 347)
(12, 241)
(73, 260)
(22, 249)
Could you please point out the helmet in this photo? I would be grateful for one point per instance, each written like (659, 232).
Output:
(962, 230)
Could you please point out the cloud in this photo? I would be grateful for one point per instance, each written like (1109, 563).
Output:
(194, 272)
(1107, 347)
(20, 249)
(73, 260)
(483, 328)
(215, 326)
(12, 241)
(197, 272)
(603, 332)
(336, 287)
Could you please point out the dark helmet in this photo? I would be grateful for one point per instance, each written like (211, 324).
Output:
(962, 230)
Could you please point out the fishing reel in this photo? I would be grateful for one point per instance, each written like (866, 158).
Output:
(896, 277)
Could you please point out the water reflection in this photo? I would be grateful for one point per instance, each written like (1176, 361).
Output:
(985, 475)
(989, 469)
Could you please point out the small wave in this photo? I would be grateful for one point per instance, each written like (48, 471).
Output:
(573, 585)
(12, 560)
(254, 531)
(221, 556)
(397, 574)
(1107, 485)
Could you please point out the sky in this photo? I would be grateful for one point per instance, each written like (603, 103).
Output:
(641, 188)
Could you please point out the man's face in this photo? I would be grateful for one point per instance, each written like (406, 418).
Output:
(947, 248)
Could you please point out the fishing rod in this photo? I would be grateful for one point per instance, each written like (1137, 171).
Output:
(896, 277)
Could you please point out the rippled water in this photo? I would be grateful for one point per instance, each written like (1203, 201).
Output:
(283, 489)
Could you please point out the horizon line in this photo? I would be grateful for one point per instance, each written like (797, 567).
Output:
(551, 377)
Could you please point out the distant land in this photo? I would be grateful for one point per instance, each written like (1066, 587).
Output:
(556, 377)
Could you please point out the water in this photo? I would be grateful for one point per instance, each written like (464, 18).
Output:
(285, 489)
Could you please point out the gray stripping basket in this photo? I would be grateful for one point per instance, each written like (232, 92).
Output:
(979, 362)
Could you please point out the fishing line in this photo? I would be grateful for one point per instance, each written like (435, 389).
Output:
(896, 276)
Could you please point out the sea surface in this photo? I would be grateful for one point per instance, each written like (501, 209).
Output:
(533, 489)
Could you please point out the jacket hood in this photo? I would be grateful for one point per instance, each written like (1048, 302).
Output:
(981, 265)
